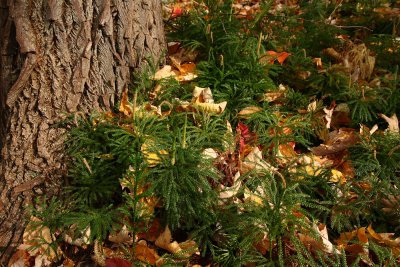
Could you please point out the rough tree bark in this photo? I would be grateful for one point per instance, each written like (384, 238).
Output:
(58, 57)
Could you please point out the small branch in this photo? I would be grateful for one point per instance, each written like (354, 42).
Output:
(280, 176)
(87, 165)
(354, 26)
(393, 150)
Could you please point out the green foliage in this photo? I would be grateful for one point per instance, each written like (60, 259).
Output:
(181, 179)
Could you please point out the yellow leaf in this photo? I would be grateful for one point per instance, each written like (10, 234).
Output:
(152, 158)
(248, 111)
(337, 177)
(210, 107)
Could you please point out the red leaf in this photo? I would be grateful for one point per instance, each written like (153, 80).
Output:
(117, 262)
(176, 12)
(246, 137)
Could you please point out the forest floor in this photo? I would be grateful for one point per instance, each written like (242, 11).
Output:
(268, 138)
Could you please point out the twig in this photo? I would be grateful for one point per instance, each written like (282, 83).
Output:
(393, 150)
(352, 26)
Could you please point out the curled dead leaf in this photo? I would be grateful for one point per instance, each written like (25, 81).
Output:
(184, 249)
(248, 111)
(210, 107)
(392, 121)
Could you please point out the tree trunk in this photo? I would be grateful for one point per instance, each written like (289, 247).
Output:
(59, 57)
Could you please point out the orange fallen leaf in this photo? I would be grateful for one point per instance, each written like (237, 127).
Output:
(271, 56)
(361, 235)
(145, 254)
(125, 107)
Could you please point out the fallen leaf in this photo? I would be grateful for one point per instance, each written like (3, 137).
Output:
(152, 157)
(392, 121)
(248, 111)
(117, 262)
(202, 95)
(337, 177)
(328, 117)
(318, 62)
(337, 141)
(210, 153)
(228, 192)
(271, 56)
(165, 72)
(153, 231)
(254, 161)
(145, 254)
(121, 237)
(184, 249)
(210, 107)
(319, 239)
(19, 259)
(328, 246)
(125, 107)
(42, 261)
(37, 239)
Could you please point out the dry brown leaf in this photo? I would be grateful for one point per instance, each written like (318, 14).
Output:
(82, 241)
(202, 95)
(184, 249)
(37, 239)
(164, 241)
(264, 245)
(386, 239)
(328, 246)
(254, 161)
(69, 263)
(122, 237)
(328, 117)
(152, 233)
(210, 153)
(19, 259)
(337, 141)
(228, 192)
